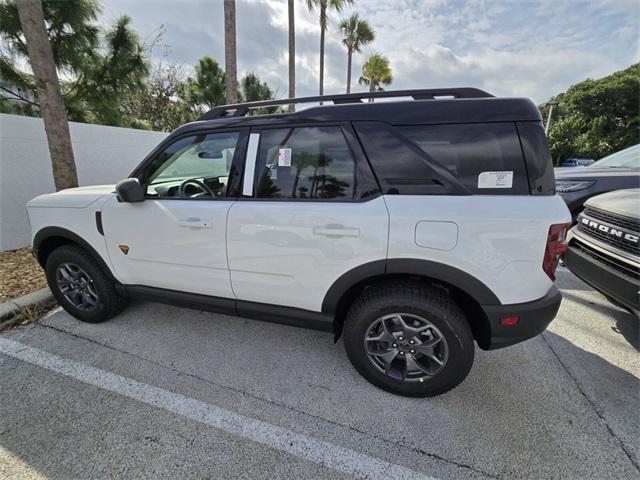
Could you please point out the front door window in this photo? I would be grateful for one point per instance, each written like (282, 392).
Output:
(193, 167)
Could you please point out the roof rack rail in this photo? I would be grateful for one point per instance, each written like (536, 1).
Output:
(242, 109)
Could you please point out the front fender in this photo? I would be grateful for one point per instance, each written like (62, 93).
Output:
(48, 239)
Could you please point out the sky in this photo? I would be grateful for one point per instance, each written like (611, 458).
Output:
(534, 49)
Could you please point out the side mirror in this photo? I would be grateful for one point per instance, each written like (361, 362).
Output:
(129, 190)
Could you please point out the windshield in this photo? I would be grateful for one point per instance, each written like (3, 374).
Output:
(629, 157)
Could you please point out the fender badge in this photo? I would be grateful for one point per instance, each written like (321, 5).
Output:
(124, 248)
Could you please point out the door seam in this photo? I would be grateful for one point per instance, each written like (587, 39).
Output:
(226, 248)
(386, 257)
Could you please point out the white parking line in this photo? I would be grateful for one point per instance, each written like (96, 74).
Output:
(324, 453)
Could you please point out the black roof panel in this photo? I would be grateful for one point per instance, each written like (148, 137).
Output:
(403, 112)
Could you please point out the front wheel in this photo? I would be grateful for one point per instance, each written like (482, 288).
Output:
(409, 338)
(80, 286)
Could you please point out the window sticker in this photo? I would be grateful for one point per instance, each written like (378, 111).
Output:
(284, 157)
(495, 180)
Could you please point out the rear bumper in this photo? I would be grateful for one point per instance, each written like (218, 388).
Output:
(612, 283)
(534, 318)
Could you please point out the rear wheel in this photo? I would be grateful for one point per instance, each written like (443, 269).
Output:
(409, 338)
(80, 285)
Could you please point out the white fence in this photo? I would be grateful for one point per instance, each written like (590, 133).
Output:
(103, 155)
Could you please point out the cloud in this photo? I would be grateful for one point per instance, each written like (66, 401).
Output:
(533, 48)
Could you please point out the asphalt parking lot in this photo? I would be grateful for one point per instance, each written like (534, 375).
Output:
(164, 392)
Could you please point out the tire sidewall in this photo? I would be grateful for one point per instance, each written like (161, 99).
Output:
(80, 258)
(459, 341)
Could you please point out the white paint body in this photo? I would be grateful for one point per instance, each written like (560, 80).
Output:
(500, 239)
(290, 253)
(74, 210)
(173, 244)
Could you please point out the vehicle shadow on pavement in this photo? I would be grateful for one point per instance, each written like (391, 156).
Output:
(627, 324)
(629, 327)
(612, 392)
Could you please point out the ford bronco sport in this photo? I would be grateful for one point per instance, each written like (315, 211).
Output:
(412, 227)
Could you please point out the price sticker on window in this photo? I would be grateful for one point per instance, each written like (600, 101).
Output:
(284, 157)
(495, 180)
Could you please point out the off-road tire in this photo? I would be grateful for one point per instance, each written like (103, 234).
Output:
(416, 298)
(109, 302)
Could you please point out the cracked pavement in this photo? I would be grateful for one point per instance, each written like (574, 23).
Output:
(562, 405)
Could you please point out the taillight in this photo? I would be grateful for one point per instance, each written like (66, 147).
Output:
(556, 246)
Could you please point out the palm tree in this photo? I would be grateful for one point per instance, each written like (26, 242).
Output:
(323, 6)
(292, 54)
(357, 33)
(50, 99)
(230, 64)
(376, 71)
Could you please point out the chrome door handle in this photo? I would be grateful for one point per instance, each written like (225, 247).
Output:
(336, 231)
(194, 223)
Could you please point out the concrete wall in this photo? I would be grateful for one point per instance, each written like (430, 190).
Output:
(103, 155)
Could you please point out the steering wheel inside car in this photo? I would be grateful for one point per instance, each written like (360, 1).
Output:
(182, 191)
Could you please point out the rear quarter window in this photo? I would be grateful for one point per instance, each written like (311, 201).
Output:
(480, 156)
(536, 153)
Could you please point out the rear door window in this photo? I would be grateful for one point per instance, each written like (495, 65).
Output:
(306, 163)
(486, 158)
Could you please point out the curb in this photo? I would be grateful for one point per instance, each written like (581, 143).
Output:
(40, 298)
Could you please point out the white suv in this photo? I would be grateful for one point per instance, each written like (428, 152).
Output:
(415, 227)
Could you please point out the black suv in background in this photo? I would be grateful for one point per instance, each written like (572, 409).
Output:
(615, 172)
(604, 248)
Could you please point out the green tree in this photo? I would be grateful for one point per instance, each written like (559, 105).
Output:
(376, 71)
(111, 76)
(252, 89)
(323, 6)
(16, 106)
(356, 33)
(595, 118)
(161, 105)
(206, 88)
(98, 67)
(72, 33)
